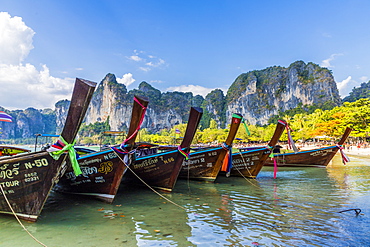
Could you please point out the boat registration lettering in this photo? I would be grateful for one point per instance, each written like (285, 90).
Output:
(170, 159)
(37, 163)
(7, 171)
(86, 172)
(145, 163)
(30, 177)
(243, 163)
(212, 153)
(110, 156)
(99, 179)
(321, 152)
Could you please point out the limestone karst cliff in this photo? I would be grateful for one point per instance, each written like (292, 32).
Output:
(258, 95)
(26, 123)
(111, 102)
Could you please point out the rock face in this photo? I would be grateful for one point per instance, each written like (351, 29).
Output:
(214, 108)
(111, 102)
(27, 123)
(258, 95)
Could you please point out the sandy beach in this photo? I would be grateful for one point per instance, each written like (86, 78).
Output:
(358, 151)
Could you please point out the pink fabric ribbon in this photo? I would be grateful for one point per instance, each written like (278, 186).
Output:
(345, 158)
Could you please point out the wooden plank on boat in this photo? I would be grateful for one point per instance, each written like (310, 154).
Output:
(206, 164)
(10, 150)
(249, 163)
(161, 170)
(102, 171)
(319, 157)
(28, 178)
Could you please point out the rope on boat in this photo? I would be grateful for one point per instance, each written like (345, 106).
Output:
(357, 210)
(241, 155)
(156, 192)
(15, 215)
(188, 178)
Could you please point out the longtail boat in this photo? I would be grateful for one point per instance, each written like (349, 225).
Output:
(27, 179)
(11, 150)
(319, 157)
(206, 164)
(161, 170)
(249, 163)
(102, 171)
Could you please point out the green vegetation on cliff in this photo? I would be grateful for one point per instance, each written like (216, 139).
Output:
(359, 93)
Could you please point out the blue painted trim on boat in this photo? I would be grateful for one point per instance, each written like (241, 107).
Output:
(203, 151)
(155, 155)
(250, 151)
(94, 154)
(307, 151)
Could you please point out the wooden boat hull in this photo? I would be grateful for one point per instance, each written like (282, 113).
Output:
(162, 170)
(311, 158)
(9, 150)
(101, 175)
(203, 165)
(206, 164)
(102, 171)
(249, 163)
(319, 157)
(156, 170)
(27, 181)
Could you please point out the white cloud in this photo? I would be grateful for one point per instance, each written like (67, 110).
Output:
(195, 89)
(145, 69)
(135, 58)
(157, 64)
(126, 79)
(341, 85)
(16, 39)
(326, 62)
(147, 62)
(346, 86)
(23, 85)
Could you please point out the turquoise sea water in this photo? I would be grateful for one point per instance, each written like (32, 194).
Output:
(299, 208)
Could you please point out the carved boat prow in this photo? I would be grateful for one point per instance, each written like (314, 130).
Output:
(249, 163)
(206, 164)
(161, 170)
(27, 179)
(103, 170)
(318, 157)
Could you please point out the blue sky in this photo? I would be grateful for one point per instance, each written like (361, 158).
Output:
(173, 45)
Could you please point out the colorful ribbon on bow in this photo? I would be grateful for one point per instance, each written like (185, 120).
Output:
(123, 145)
(182, 152)
(60, 147)
(243, 121)
(290, 139)
(226, 166)
(345, 158)
(271, 155)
